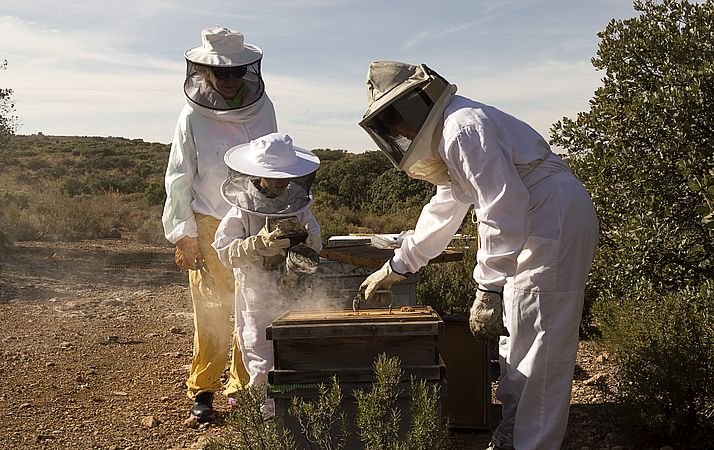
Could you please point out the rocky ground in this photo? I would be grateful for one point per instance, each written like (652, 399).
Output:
(96, 343)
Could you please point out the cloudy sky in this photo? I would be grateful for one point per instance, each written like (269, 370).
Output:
(116, 68)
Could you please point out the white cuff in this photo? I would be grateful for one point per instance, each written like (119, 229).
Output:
(398, 265)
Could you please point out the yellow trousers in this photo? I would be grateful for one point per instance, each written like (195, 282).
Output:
(212, 293)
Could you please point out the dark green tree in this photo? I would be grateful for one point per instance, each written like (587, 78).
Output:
(347, 180)
(8, 120)
(393, 190)
(645, 150)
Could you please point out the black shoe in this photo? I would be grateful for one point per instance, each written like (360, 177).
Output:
(202, 408)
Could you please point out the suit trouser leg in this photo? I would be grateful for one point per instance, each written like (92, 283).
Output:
(212, 290)
(542, 309)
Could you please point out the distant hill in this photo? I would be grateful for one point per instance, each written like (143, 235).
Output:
(86, 165)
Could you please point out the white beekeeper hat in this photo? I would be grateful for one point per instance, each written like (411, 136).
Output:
(223, 47)
(272, 156)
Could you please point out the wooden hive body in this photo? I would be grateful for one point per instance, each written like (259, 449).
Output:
(313, 346)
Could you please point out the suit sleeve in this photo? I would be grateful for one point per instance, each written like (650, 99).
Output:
(438, 221)
(484, 168)
(178, 218)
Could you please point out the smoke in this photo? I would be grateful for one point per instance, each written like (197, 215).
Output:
(274, 294)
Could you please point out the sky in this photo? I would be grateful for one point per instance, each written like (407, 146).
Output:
(116, 68)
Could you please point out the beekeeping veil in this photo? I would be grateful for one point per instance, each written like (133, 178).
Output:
(405, 116)
(270, 159)
(223, 54)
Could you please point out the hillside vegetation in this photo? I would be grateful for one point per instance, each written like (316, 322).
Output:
(68, 187)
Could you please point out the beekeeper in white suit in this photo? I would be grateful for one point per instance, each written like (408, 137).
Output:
(226, 105)
(537, 235)
(269, 177)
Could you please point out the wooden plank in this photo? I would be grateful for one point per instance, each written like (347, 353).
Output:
(374, 258)
(351, 375)
(354, 330)
(341, 352)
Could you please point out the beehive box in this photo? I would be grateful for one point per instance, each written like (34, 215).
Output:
(312, 346)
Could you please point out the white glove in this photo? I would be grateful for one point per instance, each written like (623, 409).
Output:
(255, 248)
(486, 315)
(384, 278)
(188, 254)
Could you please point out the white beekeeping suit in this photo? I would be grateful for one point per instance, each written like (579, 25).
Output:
(537, 232)
(244, 243)
(226, 105)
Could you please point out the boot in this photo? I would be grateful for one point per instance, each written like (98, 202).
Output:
(202, 408)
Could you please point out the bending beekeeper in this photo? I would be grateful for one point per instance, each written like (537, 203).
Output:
(537, 234)
(269, 178)
(226, 105)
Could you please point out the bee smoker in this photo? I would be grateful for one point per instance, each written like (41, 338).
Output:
(300, 259)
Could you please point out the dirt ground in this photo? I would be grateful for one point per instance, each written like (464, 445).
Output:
(96, 343)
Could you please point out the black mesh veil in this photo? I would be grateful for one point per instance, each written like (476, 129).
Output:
(200, 85)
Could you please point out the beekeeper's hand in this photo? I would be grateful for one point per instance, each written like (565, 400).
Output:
(262, 245)
(188, 254)
(486, 315)
(384, 278)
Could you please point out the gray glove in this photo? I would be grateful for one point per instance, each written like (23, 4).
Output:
(486, 315)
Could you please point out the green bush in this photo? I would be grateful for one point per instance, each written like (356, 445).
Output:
(151, 231)
(58, 216)
(322, 422)
(665, 347)
(379, 418)
(248, 429)
(450, 287)
(155, 193)
(15, 221)
(644, 151)
(6, 245)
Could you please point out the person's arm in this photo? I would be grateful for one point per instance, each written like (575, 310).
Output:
(501, 203)
(235, 248)
(230, 229)
(438, 222)
(178, 218)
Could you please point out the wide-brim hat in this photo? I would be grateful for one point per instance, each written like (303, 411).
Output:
(389, 80)
(272, 156)
(223, 47)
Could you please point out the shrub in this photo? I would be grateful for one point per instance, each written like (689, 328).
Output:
(449, 287)
(324, 424)
(6, 245)
(321, 421)
(427, 431)
(151, 231)
(155, 193)
(378, 417)
(248, 429)
(337, 222)
(665, 372)
(61, 217)
(14, 218)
